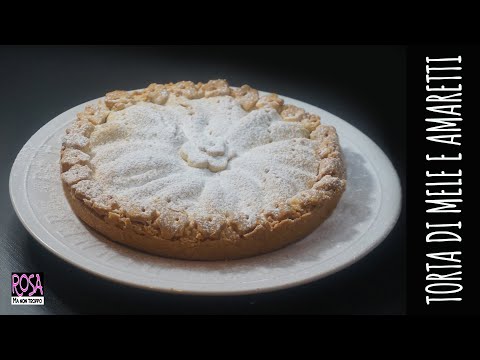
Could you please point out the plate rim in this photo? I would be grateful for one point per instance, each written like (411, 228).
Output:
(97, 271)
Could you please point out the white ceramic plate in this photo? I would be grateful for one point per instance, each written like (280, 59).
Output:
(365, 215)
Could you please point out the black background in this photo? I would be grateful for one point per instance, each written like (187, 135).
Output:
(364, 85)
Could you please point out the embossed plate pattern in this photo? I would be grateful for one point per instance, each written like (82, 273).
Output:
(365, 215)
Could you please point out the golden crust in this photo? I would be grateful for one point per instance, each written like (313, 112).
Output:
(263, 239)
(292, 113)
(179, 235)
(270, 101)
(71, 156)
(246, 96)
(187, 89)
(216, 88)
(118, 100)
(157, 94)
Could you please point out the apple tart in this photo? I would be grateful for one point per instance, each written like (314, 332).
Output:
(201, 171)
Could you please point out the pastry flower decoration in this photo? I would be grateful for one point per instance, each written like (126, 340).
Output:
(206, 153)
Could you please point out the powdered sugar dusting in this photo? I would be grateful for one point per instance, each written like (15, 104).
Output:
(203, 157)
